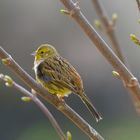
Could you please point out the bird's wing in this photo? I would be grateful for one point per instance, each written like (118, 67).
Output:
(61, 72)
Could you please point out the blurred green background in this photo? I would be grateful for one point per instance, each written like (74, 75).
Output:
(24, 25)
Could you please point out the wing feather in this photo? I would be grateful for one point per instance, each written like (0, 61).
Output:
(62, 73)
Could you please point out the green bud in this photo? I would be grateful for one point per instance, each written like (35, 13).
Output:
(63, 11)
(114, 17)
(33, 92)
(8, 81)
(1, 76)
(69, 136)
(135, 39)
(116, 74)
(6, 61)
(26, 99)
(97, 23)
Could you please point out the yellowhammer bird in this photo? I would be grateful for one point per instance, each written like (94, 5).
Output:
(59, 77)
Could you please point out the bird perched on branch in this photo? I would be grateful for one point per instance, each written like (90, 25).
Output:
(59, 77)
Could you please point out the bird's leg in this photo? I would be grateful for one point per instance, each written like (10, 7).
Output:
(60, 97)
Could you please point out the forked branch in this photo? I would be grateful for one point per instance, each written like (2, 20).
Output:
(108, 27)
(130, 82)
(61, 106)
(9, 82)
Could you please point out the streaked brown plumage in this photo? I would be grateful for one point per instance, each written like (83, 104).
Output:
(59, 77)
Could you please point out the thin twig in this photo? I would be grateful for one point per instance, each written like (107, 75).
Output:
(138, 4)
(61, 106)
(130, 82)
(38, 103)
(108, 28)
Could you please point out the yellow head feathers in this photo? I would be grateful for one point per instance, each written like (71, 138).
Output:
(44, 51)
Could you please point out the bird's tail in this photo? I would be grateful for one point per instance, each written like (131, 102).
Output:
(91, 108)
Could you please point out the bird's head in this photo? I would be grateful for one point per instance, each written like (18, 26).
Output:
(44, 51)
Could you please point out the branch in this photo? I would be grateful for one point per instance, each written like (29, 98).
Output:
(61, 106)
(10, 83)
(138, 4)
(108, 27)
(130, 82)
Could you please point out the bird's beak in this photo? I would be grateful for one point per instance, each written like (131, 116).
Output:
(33, 53)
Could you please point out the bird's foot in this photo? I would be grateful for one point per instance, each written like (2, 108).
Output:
(61, 98)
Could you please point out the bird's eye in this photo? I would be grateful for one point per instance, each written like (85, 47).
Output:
(41, 52)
